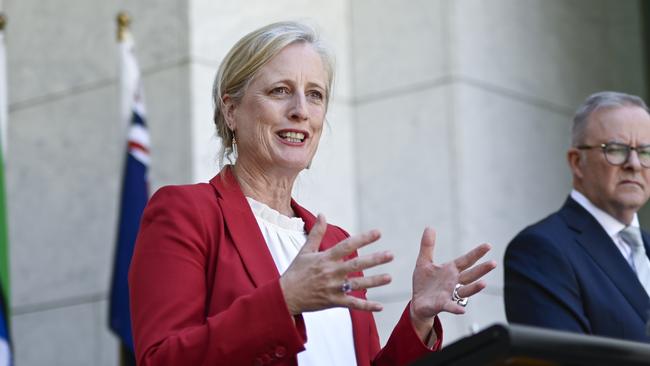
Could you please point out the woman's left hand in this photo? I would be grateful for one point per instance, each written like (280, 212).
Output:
(434, 284)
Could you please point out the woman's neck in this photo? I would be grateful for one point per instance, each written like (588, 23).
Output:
(273, 190)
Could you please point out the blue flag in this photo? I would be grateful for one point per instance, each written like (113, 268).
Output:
(134, 195)
(5, 348)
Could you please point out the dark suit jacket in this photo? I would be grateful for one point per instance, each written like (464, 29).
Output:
(566, 273)
(205, 290)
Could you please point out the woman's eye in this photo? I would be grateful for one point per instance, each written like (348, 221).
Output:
(280, 90)
(315, 95)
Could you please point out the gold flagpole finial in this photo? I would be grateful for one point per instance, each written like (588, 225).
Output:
(123, 22)
(3, 21)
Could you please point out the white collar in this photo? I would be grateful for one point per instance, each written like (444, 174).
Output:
(611, 225)
(266, 213)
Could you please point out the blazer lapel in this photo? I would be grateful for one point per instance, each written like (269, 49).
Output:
(595, 241)
(244, 230)
(330, 239)
(309, 219)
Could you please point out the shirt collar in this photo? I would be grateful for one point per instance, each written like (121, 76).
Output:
(611, 225)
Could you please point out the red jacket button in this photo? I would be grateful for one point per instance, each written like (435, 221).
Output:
(258, 362)
(280, 351)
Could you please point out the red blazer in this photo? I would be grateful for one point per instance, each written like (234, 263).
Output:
(205, 290)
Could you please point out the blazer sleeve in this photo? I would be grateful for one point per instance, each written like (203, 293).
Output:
(404, 346)
(168, 291)
(540, 286)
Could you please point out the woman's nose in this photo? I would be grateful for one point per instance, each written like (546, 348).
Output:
(299, 110)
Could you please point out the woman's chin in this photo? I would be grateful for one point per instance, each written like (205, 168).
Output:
(297, 162)
(292, 166)
(289, 165)
(298, 166)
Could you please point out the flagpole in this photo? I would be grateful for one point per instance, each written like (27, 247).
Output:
(134, 192)
(4, 247)
(3, 89)
(123, 23)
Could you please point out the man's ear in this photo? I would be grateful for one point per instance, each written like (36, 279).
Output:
(575, 159)
(229, 106)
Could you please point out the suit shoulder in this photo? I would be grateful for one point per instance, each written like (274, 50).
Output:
(184, 191)
(550, 232)
(199, 194)
(190, 201)
(543, 250)
(549, 227)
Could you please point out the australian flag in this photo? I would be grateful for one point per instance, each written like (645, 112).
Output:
(135, 191)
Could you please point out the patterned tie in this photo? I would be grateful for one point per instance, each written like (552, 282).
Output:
(632, 236)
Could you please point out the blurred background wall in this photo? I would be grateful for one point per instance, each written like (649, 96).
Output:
(448, 113)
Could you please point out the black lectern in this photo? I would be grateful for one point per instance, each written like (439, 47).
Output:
(523, 345)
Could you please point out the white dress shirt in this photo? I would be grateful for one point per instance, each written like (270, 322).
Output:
(611, 225)
(329, 332)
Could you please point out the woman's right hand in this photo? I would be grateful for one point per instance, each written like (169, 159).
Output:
(314, 279)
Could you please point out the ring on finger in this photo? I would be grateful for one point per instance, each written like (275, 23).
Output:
(346, 287)
(455, 297)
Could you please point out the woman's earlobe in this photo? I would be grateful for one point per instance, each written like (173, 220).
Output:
(228, 111)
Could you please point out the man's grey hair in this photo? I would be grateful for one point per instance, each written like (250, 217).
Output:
(605, 99)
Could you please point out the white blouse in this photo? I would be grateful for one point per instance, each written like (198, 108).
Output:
(329, 332)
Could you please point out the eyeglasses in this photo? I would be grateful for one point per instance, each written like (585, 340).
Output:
(618, 154)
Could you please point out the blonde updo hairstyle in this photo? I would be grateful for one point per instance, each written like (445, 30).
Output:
(247, 57)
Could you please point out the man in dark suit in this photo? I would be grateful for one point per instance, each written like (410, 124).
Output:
(585, 268)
